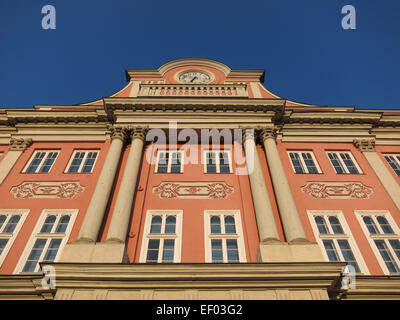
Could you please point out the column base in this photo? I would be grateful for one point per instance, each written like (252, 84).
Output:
(82, 251)
(297, 251)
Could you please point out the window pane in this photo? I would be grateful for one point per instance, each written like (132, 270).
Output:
(168, 252)
(36, 162)
(215, 224)
(230, 224)
(48, 224)
(34, 256)
(216, 247)
(348, 254)
(76, 162)
(63, 224)
(233, 253)
(3, 243)
(152, 251)
(170, 224)
(394, 164)
(349, 163)
(48, 162)
(211, 162)
(156, 224)
(322, 228)
(2, 219)
(224, 162)
(384, 224)
(52, 250)
(176, 162)
(295, 158)
(163, 163)
(330, 250)
(308, 160)
(12, 223)
(335, 224)
(387, 256)
(370, 224)
(89, 162)
(396, 247)
(336, 163)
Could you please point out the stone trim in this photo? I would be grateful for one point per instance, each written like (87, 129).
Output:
(20, 144)
(365, 145)
(118, 133)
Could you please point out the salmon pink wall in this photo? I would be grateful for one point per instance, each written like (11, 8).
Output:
(379, 200)
(36, 206)
(193, 250)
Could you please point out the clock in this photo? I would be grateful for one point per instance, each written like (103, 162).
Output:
(194, 77)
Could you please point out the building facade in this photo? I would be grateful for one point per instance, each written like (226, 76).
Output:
(194, 181)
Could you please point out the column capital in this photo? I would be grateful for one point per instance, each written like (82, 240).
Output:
(267, 133)
(247, 133)
(365, 144)
(139, 133)
(20, 144)
(118, 133)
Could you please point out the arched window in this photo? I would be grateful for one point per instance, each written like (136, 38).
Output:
(63, 224)
(170, 224)
(12, 223)
(215, 224)
(156, 224)
(384, 224)
(48, 224)
(335, 224)
(320, 221)
(230, 224)
(370, 225)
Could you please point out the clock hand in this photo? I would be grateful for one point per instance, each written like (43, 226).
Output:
(193, 79)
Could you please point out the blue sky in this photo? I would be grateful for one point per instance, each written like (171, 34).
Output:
(307, 55)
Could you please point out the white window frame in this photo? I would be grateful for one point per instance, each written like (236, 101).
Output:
(217, 164)
(83, 161)
(394, 155)
(208, 236)
(159, 151)
(41, 163)
(177, 236)
(381, 236)
(49, 236)
(303, 164)
(11, 237)
(342, 162)
(347, 235)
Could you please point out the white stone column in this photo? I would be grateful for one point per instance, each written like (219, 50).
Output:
(290, 218)
(367, 147)
(18, 146)
(123, 206)
(265, 218)
(98, 204)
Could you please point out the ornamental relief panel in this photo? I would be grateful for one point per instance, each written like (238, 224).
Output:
(337, 190)
(193, 190)
(50, 190)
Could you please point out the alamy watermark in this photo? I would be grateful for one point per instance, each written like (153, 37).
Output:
(349, 277)
(49, 20)
(349, 20)
(49, 278)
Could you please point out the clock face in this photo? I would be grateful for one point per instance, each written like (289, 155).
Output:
(194, 77)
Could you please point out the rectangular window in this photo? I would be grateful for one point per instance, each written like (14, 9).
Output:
(304, 162)
(224, 236)
(394, 162)
(217, 161)
(384, 237)
(82, 161)
(48, 239)
(11, 221)
(343, 162)
(162, 237)
(169, 162)
(41, 161)
(335, 238)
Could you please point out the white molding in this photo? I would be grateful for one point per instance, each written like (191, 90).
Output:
(177, 236)
(346, 236)
(159, 151)
(35, 234)
(217, 164)
(396, 236)
(238, 235)
(337, 152)
(299, 152)
(83, 160)
(11, 238)
(47, 151)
